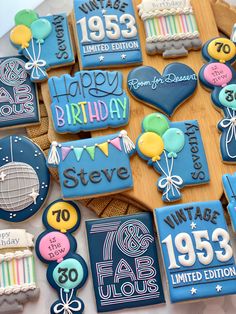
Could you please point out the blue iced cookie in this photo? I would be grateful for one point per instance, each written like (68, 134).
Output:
(90, 100)
(175, 150)
(198, 256)
(165, 92)
(229, 185)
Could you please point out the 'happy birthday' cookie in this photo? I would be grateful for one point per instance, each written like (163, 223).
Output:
(24, 178)
(175, 150)
(126, 247)
(198, 256)
(93, 167)
(107, 33)
(44, 41)
(90, 100)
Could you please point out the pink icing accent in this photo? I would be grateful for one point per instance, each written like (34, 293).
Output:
(54, 246)
(64, 152)
(116, 143)
(217, 74)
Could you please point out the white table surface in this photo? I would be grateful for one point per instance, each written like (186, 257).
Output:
(220, 305)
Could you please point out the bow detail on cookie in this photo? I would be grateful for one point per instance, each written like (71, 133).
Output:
(67, 304)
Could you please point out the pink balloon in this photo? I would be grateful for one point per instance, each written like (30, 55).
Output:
(217, 74)
(54, 246)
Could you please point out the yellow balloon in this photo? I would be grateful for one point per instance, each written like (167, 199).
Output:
(62, 216)
(21, 35)
(151, 145)
(222, 49)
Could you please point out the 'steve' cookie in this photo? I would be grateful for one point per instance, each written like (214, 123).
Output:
(229, 185)
(44, 41)
(164, 92)
(220, 76)
(24, 178)
(93, 167)
(198, 256)
(18, 95)
(67, 271)
(175, 150)
(124, 263)
(107, 33)
(17, 268)
(170, 27)
(90, 100)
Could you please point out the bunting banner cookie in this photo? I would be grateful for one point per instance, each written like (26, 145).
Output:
(175, 150)
(93, 167)
(126, 247)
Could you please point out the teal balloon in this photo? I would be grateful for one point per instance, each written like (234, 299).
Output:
(68, 274)
(156, 122)
(41, 29)
(227, 96)
(174, 141)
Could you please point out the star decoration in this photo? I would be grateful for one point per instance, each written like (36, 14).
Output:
(218, 288)
(193, 290)
(101, 58)
(2, 176)
(104, 11)
(123, 56)
(34, 195)
(193, 225)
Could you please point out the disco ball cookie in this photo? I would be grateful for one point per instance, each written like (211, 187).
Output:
(24, 178)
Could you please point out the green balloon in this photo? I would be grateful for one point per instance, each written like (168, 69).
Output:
(157, 123)
(174, 141)
(26, 17)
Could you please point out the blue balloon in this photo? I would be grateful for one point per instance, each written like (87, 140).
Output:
(41, 29)
(174, 141)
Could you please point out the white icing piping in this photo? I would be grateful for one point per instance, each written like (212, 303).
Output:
(17, 288)
(154, 39)
(166, 12)
(16, 255)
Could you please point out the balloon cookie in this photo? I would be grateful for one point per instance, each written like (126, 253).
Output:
(44, 41)
(219, 76)
(175, 150)
(24, 178)
(67, 271)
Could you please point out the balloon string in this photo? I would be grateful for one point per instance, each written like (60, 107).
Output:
(33, 49)
(39, 52)
(31, 58)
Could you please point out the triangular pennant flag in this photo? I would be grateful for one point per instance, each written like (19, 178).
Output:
(91, 151)
(78, 152)
(116, 143)
(104, 148)
(65, 151)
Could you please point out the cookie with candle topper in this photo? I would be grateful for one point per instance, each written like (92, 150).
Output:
(161, 91)
(44, 41)
(93, 167)
(67, 271)
(229, 185)
(18, 95)
(90, 100)
(126, 246)
(170, 27)
(219, 76)
(197, 252)
(106, 33)
(24, 178)
(175, 150)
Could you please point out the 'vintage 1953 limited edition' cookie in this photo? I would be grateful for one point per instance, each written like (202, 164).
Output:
(107, 33)
(198, 255)
(124, 262)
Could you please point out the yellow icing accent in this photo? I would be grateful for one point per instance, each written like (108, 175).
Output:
(104, 148)
(222, 49)
(151, 145)
(21, 35)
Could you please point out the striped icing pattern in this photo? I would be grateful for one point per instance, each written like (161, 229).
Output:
(171, 27)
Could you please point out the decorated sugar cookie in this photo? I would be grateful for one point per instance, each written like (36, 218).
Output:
(219, 76)
(17, 268)
(44, 41)
(93, 167)
(107, 34)
(126, 247)
(67, 271)
(88, 101)
(170, 27)
(175, 150)
(24, 178)
(198, 256)
(163, 91)
(18, 95)
(229, 185)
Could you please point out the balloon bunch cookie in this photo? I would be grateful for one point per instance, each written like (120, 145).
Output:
(176, 151)
(67, 270)
(44, 41)
(219, 76)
